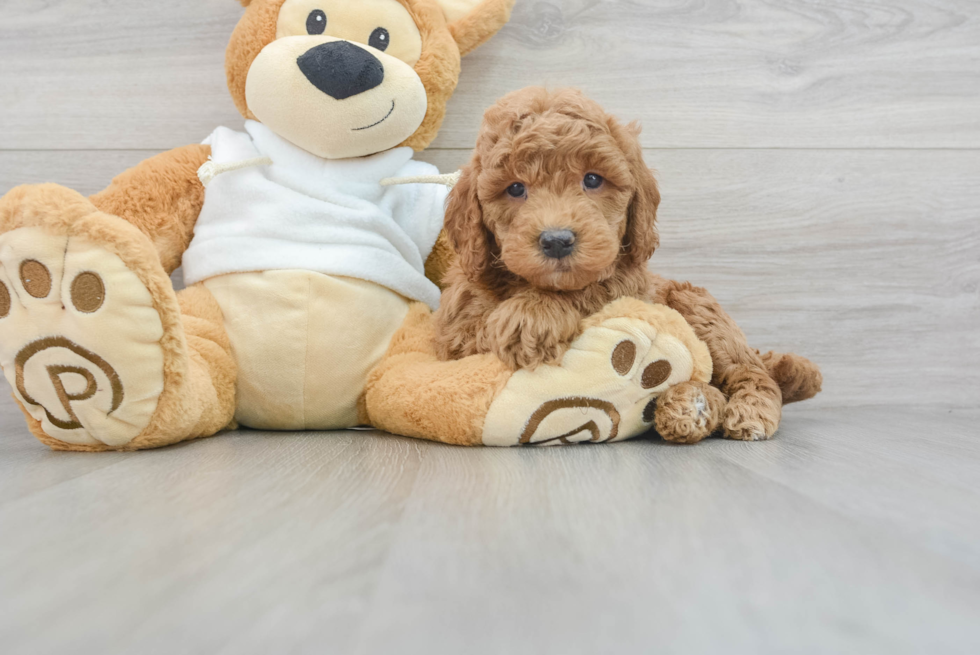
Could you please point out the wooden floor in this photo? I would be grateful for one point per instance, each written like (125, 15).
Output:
(855, 531)
(820, 168)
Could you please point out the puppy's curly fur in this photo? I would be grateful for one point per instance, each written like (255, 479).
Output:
(505, 296)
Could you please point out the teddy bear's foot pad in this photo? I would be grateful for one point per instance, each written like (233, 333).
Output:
(80, 339)
(606, 386)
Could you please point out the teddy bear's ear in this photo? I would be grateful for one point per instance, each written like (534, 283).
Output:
(473, 22)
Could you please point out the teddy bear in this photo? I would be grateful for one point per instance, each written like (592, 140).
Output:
(309, 284)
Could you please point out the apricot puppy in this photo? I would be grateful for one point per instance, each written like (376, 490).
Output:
(553, 218)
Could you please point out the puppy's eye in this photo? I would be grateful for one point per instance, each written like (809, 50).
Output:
(380, 39)
(316, 22)
(592, 181)
(517, 190)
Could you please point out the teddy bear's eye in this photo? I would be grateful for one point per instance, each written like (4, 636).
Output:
(316, 22)
(380, 39)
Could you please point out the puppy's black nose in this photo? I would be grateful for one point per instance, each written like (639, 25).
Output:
(341, 69)
(557, 244)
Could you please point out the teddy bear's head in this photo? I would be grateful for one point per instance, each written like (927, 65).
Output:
(349, 78)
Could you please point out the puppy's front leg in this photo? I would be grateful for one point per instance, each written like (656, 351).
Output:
(530, 329)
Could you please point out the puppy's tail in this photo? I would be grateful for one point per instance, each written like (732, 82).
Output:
(797, 377)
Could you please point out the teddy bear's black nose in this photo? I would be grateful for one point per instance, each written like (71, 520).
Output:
(341, 69)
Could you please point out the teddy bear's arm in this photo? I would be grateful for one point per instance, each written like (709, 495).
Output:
(161, 196)
(440, 260)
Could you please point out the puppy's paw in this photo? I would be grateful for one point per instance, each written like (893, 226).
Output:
(752, 415)
(526, 335)
(688, 412)
(525, 351)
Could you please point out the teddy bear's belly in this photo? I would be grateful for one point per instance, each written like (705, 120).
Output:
(305, 344)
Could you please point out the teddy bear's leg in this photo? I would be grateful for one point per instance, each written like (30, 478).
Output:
(414, 394)
(755, 400)
(99, 351)
(211, 369)
(604, 389)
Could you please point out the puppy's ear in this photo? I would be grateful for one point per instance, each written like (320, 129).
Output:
(245, 3)
(464, 225)
(473, 22)
(641, 239)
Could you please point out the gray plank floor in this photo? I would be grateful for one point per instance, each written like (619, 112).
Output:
(856, 530)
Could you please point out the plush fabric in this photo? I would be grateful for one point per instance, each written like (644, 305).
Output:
(438, 66)
(197, 384)
(150, 215)
(162, 197)
(440, 260)
(364, 102)
(256, 29)
(212, 369)
(307, 213)
(457, 9)
(355, 21)
(414, 394)
(473, 22)
(305, 344)
(63, 384)
(604, 389)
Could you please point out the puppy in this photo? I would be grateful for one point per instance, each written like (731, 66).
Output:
(552, 219)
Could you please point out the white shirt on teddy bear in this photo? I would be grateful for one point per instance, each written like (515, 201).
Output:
(308, 213)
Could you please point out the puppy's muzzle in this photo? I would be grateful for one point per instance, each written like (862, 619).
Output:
(557, 244)
(341, 69)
